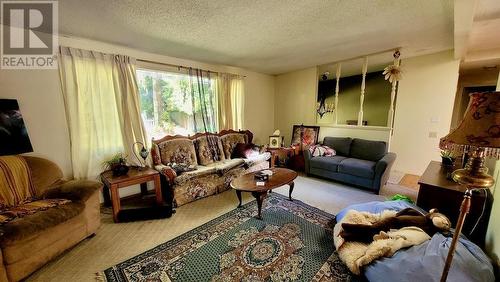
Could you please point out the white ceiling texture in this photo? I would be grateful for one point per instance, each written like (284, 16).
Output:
(268, 36)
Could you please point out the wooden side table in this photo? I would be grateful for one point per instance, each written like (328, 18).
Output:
(276, 153)
(438, 191)
(134, 176)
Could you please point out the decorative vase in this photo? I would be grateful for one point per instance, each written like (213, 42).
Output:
(119, 169)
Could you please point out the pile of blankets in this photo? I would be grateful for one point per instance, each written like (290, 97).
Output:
(358, 254)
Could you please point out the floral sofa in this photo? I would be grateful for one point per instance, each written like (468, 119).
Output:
(207, 167)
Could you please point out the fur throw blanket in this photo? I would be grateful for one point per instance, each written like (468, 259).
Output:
(356, 254)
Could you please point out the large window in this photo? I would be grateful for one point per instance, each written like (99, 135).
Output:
(176, 103)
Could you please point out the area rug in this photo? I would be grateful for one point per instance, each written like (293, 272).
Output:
(293, 242)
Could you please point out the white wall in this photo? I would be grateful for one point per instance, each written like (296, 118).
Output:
(424, 106)
(259, 106)
(295, 100)
(39, 96)
(41, 102)
(363, 132)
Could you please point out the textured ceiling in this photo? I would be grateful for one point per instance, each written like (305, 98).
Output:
(483, 46)
(269, 36)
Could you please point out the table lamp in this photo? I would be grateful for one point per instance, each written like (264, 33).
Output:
(478, 135)
(143, 152)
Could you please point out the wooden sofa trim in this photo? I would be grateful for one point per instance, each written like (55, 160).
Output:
(248, 133)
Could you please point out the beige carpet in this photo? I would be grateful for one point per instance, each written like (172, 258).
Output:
(115, 243)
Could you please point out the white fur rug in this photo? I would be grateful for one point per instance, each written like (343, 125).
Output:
(357, 254)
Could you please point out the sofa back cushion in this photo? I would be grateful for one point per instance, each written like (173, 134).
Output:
(44, 173)
(177, 151)
(230, 140)
(209, 149)
(341, 145)
(368, 149)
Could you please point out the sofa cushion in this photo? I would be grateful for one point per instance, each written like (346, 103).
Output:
(224, 166)
(230, 140)
(341, 145)
(357, 167)
(199, 172)
(25, 209)
(177, 151)
(44, 173)
(209, 149)
(30, 225)
(327, 163)
(368, 149)
(74, 190)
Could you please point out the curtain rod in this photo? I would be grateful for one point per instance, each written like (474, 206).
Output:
(184, 67)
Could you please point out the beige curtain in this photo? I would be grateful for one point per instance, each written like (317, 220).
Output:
(231, 99)
(129, 108)
(102, 108)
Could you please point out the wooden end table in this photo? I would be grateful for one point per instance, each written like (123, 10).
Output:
(438, 191)
(284, 152)
(248, 183)
(134, 176)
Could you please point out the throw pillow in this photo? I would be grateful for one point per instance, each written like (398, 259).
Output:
(321, 150)
(179, 168)
(245, 150)
(209, 149)
(229, 141)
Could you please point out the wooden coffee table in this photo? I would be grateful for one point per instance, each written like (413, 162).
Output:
(247, 183)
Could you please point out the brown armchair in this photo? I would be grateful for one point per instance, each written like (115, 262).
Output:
(29, 242)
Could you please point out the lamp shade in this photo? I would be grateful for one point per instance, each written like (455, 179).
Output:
(480, 127)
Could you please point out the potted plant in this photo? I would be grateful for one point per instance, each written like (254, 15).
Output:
(447, 158)
(117, 164)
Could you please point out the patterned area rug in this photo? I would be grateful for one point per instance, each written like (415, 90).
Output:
(293, 242)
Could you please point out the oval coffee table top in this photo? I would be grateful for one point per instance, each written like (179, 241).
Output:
(280, 177)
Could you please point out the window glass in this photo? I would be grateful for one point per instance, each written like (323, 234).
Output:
(168, 107)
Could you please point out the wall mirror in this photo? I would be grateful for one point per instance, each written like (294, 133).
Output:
(355, 92)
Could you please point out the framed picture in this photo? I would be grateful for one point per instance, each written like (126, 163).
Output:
(13, 134)
(305, 135)
(275, 141)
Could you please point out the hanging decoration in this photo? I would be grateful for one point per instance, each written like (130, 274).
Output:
(394, 81)
(323, 107)
(393, 72)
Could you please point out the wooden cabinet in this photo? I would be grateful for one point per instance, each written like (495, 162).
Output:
(437, 190)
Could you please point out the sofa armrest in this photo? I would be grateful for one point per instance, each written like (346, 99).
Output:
(382, 170)
(74, 190)
(167, 171)
(307, 159)
(3, 270)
